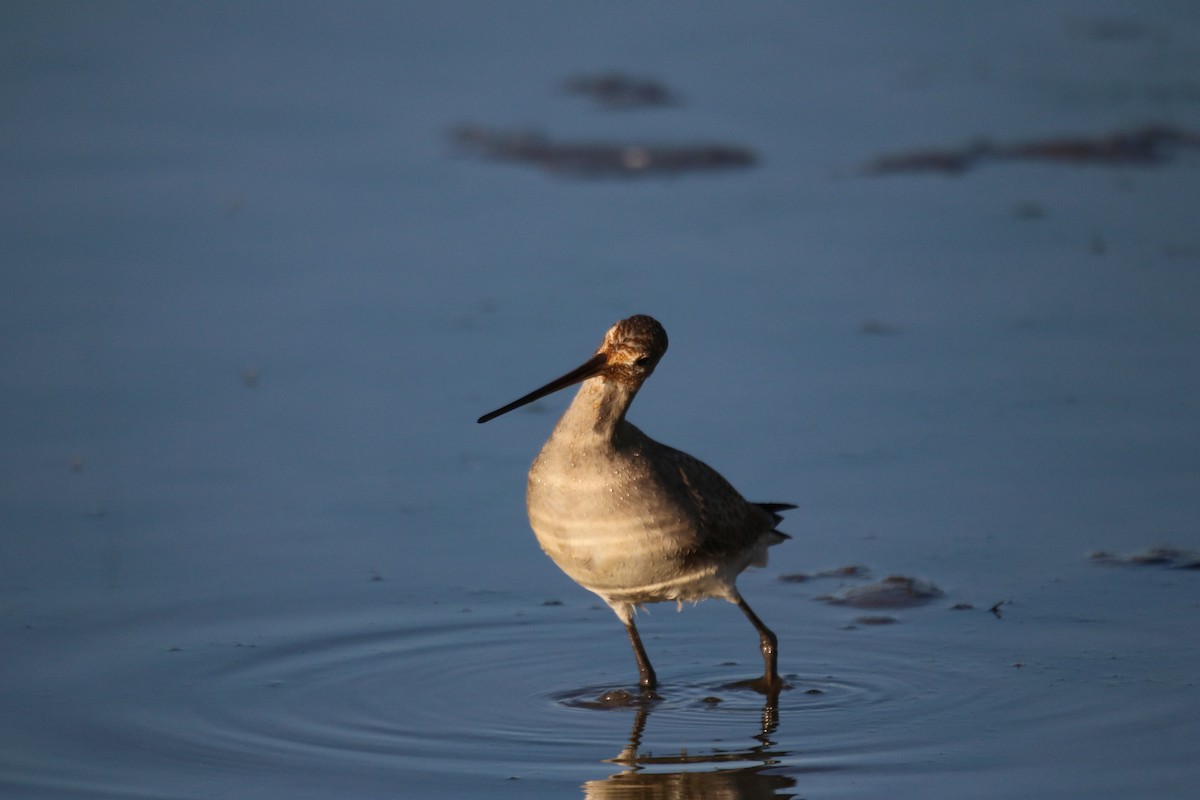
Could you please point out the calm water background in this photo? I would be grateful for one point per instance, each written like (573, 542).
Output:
(252, 543)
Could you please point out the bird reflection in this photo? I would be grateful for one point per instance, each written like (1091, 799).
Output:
(645, 779)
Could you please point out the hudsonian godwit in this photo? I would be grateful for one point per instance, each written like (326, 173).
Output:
(633, 520)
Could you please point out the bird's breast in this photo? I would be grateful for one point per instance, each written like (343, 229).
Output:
(605, 518)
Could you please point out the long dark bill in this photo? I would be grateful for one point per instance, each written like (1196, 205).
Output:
(581, 373)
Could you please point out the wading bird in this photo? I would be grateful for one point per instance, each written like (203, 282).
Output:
(631, 519)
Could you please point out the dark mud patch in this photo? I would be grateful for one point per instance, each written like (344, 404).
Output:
(848, 571)
(615, 91)
(1168, 557)
(894, 591)
(1149, 145)
(598, 159)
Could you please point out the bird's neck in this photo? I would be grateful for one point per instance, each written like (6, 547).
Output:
(598, 410)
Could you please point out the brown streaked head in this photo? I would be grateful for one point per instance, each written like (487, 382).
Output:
(633, 347)
(629, 353)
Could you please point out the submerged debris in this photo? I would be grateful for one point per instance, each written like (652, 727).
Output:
(1152, 144)
(1168, 557)
(615, 91)
(848, 571)
(598, 159)
(894, 591)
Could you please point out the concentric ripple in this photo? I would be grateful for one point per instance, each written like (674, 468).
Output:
(483, 691)
(372, 696)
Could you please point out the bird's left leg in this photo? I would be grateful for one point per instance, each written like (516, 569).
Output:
(646, 677)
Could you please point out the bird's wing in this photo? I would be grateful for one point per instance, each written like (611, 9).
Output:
(725, 521)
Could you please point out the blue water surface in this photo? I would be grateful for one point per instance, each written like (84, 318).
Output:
(253, 544)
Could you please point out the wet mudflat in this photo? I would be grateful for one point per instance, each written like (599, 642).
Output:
(253, 544)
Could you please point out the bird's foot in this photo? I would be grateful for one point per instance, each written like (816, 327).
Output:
(623, 698)
(769, 685)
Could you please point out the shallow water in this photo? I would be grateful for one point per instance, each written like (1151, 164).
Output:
(253, 544)
(384, 694)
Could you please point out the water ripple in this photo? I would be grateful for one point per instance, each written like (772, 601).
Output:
(376, 695)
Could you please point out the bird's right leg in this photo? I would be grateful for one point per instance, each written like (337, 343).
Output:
(771, 682)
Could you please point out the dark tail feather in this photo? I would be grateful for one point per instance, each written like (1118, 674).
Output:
(774, 510)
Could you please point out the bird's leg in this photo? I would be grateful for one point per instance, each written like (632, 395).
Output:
(646, 678)
(771, 682)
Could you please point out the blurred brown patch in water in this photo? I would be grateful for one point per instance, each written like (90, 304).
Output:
(1169, 557)
(1148, 145)
(894, 591)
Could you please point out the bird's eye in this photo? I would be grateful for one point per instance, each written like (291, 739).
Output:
(642, 361)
